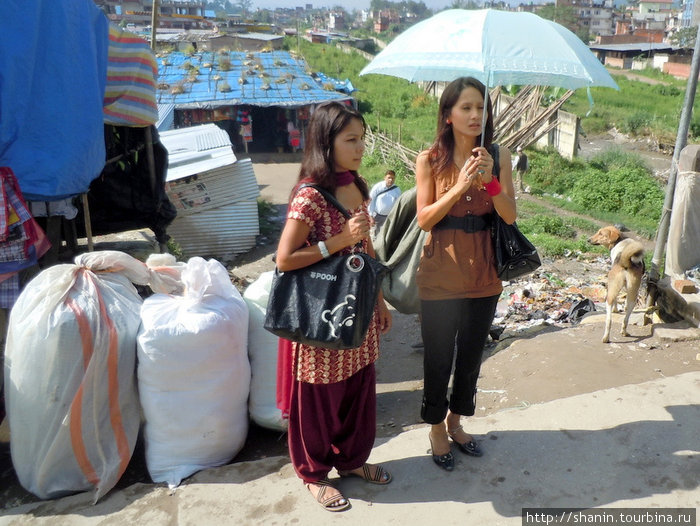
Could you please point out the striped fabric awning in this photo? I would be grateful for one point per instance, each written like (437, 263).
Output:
(130, 94)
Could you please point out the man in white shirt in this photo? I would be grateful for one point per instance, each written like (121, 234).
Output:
(382, 197)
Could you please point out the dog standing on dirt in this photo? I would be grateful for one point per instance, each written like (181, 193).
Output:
(627, 269)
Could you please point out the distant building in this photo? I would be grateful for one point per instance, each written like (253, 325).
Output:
(183, 14)
(336, 21)
(384, 18)
(691, 13)
(593, 16)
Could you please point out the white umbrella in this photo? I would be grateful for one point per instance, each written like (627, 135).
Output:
(496, 47)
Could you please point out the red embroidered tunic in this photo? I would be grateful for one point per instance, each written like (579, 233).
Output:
(317, 365)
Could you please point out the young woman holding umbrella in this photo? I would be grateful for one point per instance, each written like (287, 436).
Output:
(458, 189)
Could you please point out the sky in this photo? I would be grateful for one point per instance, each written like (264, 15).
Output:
(349, 5)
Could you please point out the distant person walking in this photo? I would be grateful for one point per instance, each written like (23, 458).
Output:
(382, 198)
(332, 409)
(522, 165)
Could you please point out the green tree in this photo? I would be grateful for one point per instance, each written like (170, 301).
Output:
(464, 4)
(564, 15)
(244, 6)
(684, 37)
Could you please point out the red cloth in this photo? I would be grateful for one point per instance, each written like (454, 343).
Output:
(284, 376)
(332, 425)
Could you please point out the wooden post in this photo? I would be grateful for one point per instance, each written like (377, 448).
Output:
(88, 225)
(154, 23)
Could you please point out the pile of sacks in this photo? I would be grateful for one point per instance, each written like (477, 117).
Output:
(89, 364)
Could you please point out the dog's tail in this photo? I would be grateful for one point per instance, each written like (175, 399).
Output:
(631, 256)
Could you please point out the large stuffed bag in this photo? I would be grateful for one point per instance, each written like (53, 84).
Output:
(70, 374)
(262, 351)
(194, 374)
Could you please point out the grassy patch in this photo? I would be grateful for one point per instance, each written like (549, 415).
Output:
(266, 215)
(639, 108)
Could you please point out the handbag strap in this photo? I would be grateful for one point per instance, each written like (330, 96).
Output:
(329, 198)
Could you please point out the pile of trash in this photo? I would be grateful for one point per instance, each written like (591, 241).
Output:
(546, 297)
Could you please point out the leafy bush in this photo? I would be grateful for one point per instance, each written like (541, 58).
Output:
(552, 173)
(547, 224)
(631, 191)
(665, 90)
(636, 123)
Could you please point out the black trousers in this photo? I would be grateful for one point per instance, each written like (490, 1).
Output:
(458, 326)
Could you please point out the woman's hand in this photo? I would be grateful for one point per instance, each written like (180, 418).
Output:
(468, 175)
(484, 164)
(356, 228)
(384, 316)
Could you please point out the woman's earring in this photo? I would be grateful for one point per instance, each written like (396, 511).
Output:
(448, 121)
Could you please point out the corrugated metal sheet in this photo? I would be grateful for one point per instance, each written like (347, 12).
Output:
(639, 46)
(166, 117)
(225, 185)
(221, 233)
(196, 149)
(215, 196)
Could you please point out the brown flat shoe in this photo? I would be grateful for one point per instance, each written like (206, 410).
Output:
(371, 473)
(331, 503)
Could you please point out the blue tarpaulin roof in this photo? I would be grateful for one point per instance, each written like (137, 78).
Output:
(271, 79)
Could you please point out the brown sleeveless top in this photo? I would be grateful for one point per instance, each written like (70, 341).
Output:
(454, 263)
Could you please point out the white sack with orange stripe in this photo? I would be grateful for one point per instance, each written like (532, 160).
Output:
(70, 373)
(194, 374)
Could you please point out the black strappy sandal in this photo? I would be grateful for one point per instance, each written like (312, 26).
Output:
(446, 461)
(470, 447)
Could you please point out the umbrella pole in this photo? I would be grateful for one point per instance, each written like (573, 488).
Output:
(485, 113)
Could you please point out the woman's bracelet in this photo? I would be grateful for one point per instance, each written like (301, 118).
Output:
(493, 187)
(324, 249)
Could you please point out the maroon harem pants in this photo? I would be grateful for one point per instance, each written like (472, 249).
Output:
(332, 425)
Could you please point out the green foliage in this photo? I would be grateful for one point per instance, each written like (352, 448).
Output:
(175, 249)
(407, 109)
(638, 105)
(628, 190)
(552, 173)
(684, 37)
(636, 123)
(552, 246)
(266, 213)
(614, 187)
(548, 224)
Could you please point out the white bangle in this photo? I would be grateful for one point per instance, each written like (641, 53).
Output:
(324, 249)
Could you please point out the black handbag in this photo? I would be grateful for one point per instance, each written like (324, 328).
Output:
(329, 304)
(515, 255)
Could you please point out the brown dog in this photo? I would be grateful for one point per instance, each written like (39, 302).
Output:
(627, 269)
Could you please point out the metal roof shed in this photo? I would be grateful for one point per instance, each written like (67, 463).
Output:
(215, 194)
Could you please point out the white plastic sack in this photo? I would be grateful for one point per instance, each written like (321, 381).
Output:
(683, 248)
(262, 351)
(69, 376)
(194, 374)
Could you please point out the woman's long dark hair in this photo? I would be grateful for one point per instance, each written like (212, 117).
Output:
(442, 150)
(327, 121)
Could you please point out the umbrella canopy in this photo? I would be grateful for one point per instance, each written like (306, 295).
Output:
(496, 47)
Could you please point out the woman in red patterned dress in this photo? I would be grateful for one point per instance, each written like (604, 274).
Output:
(332, 411)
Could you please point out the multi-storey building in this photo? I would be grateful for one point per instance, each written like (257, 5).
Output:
(184, 14)
(594, 16)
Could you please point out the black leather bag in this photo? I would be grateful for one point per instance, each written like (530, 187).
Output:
(515, 255)
(329, 304)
